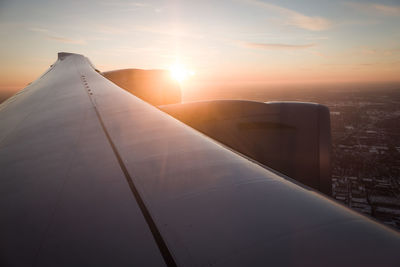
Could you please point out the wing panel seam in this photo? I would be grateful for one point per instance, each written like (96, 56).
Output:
(166, 254)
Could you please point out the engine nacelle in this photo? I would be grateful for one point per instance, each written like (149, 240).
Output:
(292, 138)
(153, 86)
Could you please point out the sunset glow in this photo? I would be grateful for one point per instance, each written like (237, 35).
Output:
(223, 41)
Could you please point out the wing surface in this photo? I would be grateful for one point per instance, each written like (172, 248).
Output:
(92, 175)
(64, 200)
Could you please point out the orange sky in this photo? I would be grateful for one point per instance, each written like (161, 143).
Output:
(242, 40)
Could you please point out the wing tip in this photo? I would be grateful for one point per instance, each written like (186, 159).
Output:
(63, 55)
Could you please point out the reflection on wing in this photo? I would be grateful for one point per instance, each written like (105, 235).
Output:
(92, 175)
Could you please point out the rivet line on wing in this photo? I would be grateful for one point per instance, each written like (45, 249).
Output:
(169, 260)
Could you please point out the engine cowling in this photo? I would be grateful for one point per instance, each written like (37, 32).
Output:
(153, 86)
(292, 138)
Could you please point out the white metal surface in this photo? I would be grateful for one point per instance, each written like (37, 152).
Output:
(64, 199)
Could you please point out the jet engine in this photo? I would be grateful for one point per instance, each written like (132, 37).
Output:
(291, 138)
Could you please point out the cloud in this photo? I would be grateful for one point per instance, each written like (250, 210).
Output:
(317, 37)
(376, 8)
(266, 46)
(171, 31)
(38, 30)
(54, 37)
(130, 6)
(125, 4)
(319, 54)
(367, 51)
(110, 29)
(294, 18)
(64, 39)
(379, 52)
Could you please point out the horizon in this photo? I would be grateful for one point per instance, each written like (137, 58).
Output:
(251, 90)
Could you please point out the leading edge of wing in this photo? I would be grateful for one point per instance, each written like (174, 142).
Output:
(64, 200)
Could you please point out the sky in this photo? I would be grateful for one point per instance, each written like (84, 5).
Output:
(286, 41)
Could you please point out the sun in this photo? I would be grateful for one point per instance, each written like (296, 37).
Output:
(179, 72)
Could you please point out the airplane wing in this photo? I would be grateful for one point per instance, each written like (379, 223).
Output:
(93, 176)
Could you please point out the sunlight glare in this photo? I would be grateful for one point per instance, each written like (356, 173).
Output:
(180, 73)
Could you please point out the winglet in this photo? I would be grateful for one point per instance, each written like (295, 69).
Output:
(63, 55)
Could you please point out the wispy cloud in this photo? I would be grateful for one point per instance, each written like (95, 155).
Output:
(294, 18)
(171, 31)
(320, 54)
(54, 37)
(125, 4)
(317, 37)
(107, 29)
(65, 40)
(387, 10)
(379, 52)
(368, 51)
(131, 6)
(267, 46)
(39, 30)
